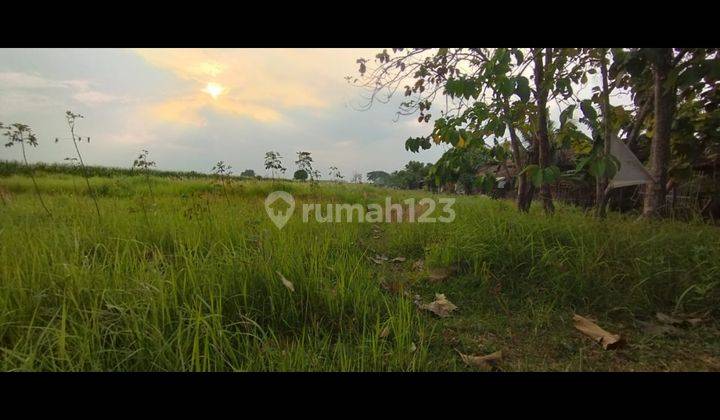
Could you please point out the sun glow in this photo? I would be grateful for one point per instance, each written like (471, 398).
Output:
(214, 89)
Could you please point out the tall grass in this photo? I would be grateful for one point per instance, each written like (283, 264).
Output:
(195, 293)
(200, 291)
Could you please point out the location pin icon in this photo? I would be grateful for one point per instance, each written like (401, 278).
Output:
(279, 206)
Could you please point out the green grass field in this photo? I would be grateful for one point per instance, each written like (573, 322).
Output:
(186, 279)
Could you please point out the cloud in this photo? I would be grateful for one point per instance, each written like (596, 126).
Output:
(29, 90)
(262, 84)
(18, 80)
(92, 97)
(275, 99)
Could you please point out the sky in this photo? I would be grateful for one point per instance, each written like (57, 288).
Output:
(192, 108)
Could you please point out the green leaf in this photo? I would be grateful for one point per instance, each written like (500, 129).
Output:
(597, 168)
(537, 177)
(522, 88)
(518, 55)
(588, 110)
(551, 174)
(529, 170)
(566, 114)
(505, 86)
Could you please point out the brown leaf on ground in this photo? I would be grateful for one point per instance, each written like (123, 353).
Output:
(440, 306)
(607, 340)
(286, 282)
(379, 259)
(418, 265)
(679, 320)
(652, 328)
(667, 319)
(694, 321)
(439, 274)
(385, 332)
(487, 362)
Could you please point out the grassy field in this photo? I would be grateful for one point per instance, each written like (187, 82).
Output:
(182, 276)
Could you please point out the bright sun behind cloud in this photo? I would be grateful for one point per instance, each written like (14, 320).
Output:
(214, 89)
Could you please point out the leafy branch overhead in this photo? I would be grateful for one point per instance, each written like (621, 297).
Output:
(476, 97)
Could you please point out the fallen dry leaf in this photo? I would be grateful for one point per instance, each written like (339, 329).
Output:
(438, 274)
(652, 328)
(694, 321)
(286, 282)
(483, 362)
(418, 265)
(667, 319)
(440, 306)
(385, 332)
(607, 340)
(379, 259)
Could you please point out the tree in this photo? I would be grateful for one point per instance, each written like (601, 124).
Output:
(143, 163)
(223, 171)
(300, 175)
(381, 178)
(335, 173)
(413, 176)
(357, 177)
(460, 165)
(248, 173)
(273, 163)
(488, 94)
(71, 117)
(667, 83)
(21, 134)
(304, 163)
(664, 101)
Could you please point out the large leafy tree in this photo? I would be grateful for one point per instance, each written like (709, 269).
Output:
(676, 92)
(487, 93)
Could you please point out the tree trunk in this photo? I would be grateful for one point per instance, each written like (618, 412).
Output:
(660, 147)
(524, 193)
(542, 127)
(602, 182)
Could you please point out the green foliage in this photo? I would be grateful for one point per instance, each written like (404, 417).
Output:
(273, 163)
(300, 175)
(543, 176)
(380, 178)
(486, 183)
(335, 173)
(305, 163)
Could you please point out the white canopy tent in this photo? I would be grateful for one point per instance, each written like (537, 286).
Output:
(631, 172)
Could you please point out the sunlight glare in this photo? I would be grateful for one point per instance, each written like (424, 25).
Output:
(214, 89)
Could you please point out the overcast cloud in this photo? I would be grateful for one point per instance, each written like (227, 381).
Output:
(191, 108)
